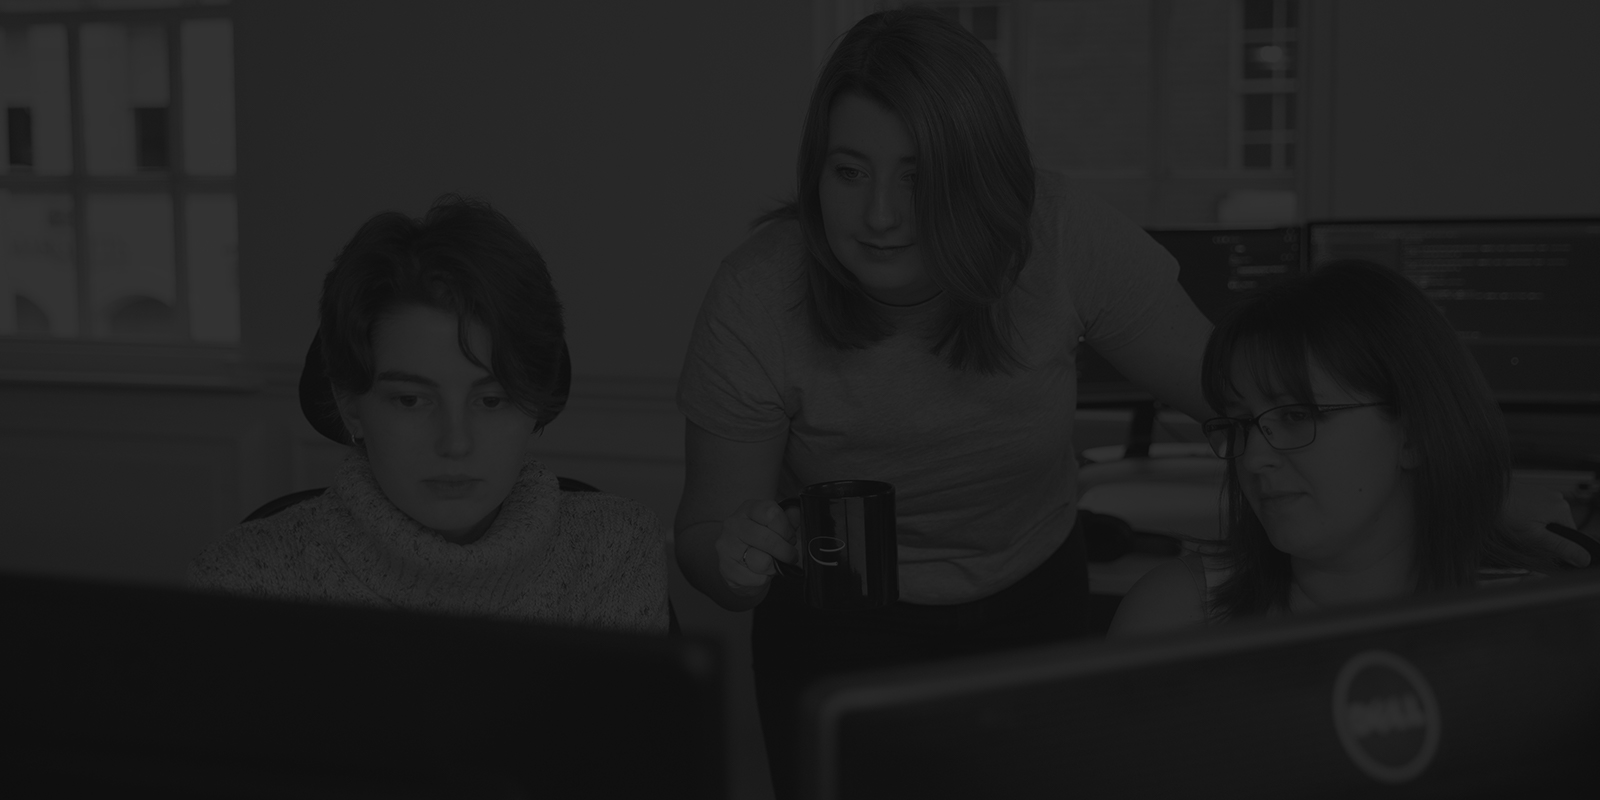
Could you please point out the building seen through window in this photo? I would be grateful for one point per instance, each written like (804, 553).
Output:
(1268, 82)
(118, 219)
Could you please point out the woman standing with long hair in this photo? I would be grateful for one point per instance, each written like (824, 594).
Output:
(913, 317)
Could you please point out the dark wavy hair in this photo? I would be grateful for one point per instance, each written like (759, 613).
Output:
(974, 189)
(1375, 332)
(463, 258)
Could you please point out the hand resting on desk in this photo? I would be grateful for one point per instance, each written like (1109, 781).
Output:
(1529, 508)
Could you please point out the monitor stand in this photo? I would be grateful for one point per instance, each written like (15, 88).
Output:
(1141, 429)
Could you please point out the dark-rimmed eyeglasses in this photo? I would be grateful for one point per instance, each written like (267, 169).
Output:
(1284, 428)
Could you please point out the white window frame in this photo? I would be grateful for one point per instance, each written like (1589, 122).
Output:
(83, 360)
(1278, 136)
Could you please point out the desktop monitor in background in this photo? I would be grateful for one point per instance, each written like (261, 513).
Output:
(1524, 294)
(1214, 266)
(118, 691)
(1492, 693)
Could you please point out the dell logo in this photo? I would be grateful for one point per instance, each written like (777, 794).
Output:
(1386, 716)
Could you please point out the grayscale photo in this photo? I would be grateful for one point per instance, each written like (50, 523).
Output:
(799, 399)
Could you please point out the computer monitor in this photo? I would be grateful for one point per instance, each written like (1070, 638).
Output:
(1215, 265)
(1524, 294)
(1492, 693)
(126, 691)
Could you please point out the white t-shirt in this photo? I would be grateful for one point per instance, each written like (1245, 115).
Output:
(983, 466)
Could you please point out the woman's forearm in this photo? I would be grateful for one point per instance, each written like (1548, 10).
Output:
(697, 558)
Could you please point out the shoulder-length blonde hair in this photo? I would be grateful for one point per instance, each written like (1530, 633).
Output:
(974, 187)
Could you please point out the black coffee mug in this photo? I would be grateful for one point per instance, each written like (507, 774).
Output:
(849, 556)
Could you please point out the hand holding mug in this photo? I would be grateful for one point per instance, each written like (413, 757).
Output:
(848, 544)
(755, 541)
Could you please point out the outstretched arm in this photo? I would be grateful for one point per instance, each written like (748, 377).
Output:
(728, 526)
(1166, 358)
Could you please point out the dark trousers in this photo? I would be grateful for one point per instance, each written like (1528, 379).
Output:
(793, 645)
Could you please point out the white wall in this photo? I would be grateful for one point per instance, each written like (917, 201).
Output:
(1456, 108)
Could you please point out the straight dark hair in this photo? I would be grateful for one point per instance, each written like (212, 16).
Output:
(463, 258)
(1376, 333)
(974, 188)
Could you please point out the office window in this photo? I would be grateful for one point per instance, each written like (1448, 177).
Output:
(1267, 84)
(117, 213)
(19, 136)
(150, 137)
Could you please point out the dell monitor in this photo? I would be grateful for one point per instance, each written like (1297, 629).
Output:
(131, 691)
(1523, 294)
(1493, 693)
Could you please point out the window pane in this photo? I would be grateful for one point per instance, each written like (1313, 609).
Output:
(1258, 112)
(38, 279)
(1257, 14)
(208, 97)
(986, 22)
(1292, 16)
(150, 148)
(19, 136)
(33, 80)
(1289, 62)
(132, 283)
(124, 68)
(213, 264)
(1258, 156)
(1288, 111)
(1288, 156)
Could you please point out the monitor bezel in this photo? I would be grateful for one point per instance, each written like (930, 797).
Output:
(221, 627)
(828, 701)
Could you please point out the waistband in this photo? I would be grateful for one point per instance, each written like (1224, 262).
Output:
(1061, 572)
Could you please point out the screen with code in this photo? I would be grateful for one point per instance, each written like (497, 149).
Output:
(1523, 294)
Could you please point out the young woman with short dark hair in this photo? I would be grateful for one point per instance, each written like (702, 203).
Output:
(443, 341)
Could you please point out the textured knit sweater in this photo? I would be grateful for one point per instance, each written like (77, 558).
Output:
(569, 558)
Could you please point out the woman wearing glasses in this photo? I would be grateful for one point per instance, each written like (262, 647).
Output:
(1367, 459)
(913, 317)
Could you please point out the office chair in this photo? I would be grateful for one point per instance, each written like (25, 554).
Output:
(318, 405)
